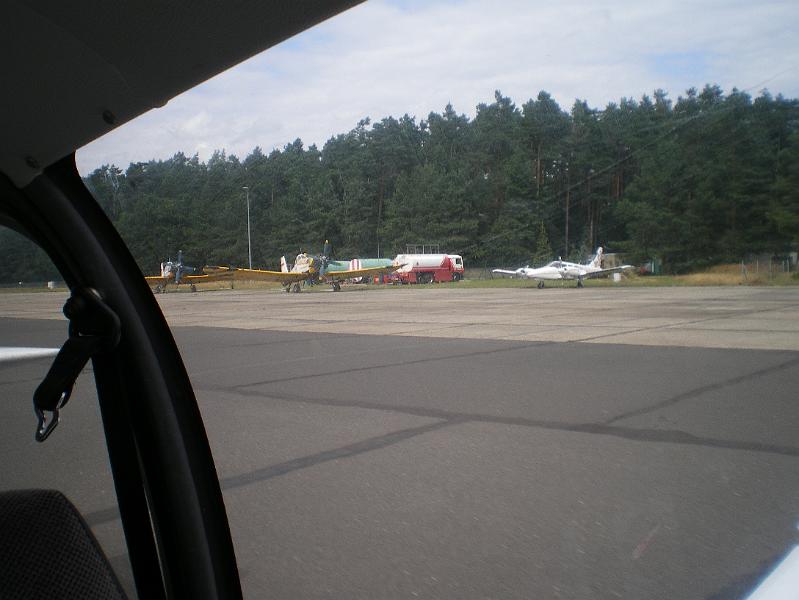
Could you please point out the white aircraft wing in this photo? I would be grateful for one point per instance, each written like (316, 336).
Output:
(14, 354)
(604, 272)
(503, 271)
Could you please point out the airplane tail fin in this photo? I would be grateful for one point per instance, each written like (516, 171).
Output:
(596, 262)
(284, 267)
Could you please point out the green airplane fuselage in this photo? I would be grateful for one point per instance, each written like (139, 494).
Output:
(363, 263)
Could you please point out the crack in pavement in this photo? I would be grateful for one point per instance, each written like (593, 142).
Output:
(670, 436)
(106, 515)
(695, 393)
(348, 451)
(446, 418)
(416, 361)
(520, 346)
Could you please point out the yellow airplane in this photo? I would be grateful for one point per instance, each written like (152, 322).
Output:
(307, 267)
(176, 272)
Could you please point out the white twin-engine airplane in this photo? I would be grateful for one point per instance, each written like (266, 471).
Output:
(559, 270)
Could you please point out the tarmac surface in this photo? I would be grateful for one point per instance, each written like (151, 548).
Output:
(456, 443)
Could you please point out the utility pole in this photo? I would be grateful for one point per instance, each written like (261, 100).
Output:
(249, 237)
(566, 241)
(591, 211)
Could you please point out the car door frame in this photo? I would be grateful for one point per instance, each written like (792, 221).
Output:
(168, 492)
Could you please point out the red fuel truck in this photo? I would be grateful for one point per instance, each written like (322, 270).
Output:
(427, 268)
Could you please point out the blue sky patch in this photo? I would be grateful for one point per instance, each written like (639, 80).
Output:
(688, 67)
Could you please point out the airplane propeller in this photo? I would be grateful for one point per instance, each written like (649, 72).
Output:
(324, 259)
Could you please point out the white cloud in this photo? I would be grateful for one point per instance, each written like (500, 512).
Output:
(195, 125)
(382, 59)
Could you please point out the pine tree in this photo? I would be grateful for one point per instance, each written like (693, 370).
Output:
(543, 251)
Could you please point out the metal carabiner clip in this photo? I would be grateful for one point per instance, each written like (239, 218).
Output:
(45, 426)
(93, 329)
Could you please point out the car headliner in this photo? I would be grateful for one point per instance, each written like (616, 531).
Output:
(73, 71)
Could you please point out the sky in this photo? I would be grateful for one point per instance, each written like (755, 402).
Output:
(395, 57)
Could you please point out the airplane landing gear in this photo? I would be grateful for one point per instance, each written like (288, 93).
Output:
(540, 285)
(296, 288)
(336, 286)
(193, 287)
(579, 283)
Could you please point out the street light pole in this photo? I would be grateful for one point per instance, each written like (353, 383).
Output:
(249, 238)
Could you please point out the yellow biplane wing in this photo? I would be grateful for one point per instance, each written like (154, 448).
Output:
(261, 275)
(222, 274)
(206, 277)
(353, 273)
